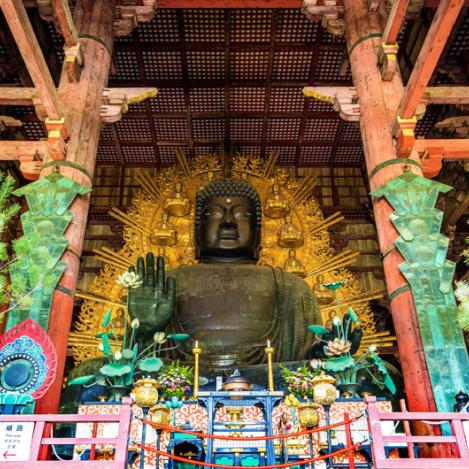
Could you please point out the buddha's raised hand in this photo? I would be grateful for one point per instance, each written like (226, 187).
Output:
(154, 301)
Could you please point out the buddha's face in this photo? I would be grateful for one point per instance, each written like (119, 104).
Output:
(228, 230)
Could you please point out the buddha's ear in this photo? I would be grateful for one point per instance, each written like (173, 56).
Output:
(256, 253)
(196, 245)
(257, 249)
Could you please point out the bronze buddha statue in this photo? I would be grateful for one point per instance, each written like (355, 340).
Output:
(227, 302)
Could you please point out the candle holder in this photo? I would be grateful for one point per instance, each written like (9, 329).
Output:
(269, 350)
(196, 351)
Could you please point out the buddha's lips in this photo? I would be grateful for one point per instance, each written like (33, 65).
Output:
(228, 233)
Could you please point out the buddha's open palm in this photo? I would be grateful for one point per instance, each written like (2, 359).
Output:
(153, 302)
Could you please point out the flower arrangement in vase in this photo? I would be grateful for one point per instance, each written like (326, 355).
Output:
(299, 382)
(345, 366)
(175, 381)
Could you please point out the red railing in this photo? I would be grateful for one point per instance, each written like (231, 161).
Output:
(379, 441)
(41, 440)
(349, 450)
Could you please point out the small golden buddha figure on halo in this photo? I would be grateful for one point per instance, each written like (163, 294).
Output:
(289, 235)
(276, 205)
(117, 323)
(162, 252)
(164, 233)
(324, 296)
(293, 266)
(177, 204)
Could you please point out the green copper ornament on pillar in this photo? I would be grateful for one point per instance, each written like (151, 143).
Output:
(38, 268)
(430, 276)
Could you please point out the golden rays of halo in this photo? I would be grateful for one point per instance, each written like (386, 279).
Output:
(145, 215)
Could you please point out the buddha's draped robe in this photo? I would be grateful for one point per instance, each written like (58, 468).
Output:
(232, 309)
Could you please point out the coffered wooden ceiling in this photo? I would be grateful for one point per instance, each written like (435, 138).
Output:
(234, 77)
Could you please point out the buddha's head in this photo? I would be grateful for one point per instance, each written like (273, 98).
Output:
(228, 217)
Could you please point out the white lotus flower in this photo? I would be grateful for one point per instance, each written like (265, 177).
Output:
(336, 321)
(100, 347)
(135, 324)
(159, 337)
(462, 290)
(372, 348)
(117, 355)
(129, 280)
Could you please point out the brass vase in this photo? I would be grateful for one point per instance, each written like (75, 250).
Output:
(324, 390)
(160, 414)
(146, 392)
(308, 415)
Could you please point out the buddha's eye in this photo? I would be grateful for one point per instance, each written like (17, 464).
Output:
(213, 212)
(242, 212)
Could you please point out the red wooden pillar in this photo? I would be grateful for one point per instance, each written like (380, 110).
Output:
(81, 102)
(377, 105)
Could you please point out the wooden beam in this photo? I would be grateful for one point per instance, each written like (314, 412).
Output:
(446, 95)
(229, 3)
(16, 96)
(344, 98)
(435, 40)
(434, 151)
(20, 26)
(65, 21)
(249, 3)
(450, 149)
(395, 21)
(115, 101)
(29, 154)
(14, 149)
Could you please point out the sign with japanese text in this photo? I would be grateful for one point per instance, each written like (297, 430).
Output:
(15, 440)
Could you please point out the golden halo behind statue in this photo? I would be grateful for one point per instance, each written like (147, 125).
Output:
(161, 220)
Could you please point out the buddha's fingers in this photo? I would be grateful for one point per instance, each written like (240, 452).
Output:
(160, 273)
(141, 268)
(171, 290)
(150, 276)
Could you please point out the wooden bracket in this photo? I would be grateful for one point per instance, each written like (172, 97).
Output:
(30, 154)
(73, 62)
(328, 12)
(387, 58)
(116, 101)
(458, 124)
(405, 136)
(56, 135)
(128, 16)
(433, 151)
(344, 99)
(7, 121)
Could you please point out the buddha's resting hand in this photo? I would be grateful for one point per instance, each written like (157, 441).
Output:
(154, 301)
